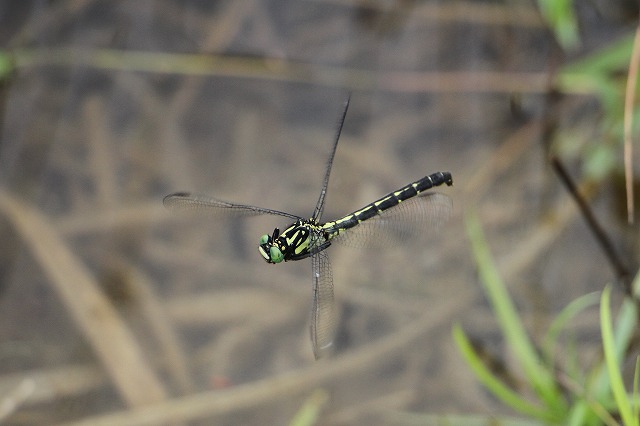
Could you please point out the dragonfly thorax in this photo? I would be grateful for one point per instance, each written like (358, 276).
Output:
(294, 243)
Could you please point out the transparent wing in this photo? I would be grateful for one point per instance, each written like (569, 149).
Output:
(317, 213)
(203, 204)
(323, 311)
(419, 215)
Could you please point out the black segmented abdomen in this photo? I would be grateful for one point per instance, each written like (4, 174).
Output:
(390, 200)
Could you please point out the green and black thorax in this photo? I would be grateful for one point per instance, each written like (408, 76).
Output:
(300, 240)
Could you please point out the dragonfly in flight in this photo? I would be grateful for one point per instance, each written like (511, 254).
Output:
(398, 215)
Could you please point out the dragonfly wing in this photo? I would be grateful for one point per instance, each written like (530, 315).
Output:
(418, 215)
(209, 206)
(323, 312)
(317, 213)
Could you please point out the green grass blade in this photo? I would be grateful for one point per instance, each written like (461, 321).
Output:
(598, 388)
(585, 413)
(309, 413)
(612, 57)
(491, 382)
(612, 361)
(540, 378)
(7, 65)
(561, 18)
(636, 405)
(561, 321)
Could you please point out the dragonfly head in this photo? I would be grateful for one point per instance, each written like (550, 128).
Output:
(270, 251)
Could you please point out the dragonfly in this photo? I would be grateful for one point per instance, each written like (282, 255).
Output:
(389, 220)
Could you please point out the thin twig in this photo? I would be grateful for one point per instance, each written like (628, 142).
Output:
(460, 11)
(51, 384)
(601, 236)
(276, 69)
(10, 402)
(162, 329)
(629, 98)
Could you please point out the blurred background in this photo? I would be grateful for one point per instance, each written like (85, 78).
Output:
(115, 311)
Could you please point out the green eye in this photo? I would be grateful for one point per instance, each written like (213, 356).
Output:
(276, 254)
(264, 239)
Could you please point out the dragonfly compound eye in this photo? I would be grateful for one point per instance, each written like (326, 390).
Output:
(265, 248)
(276, 254)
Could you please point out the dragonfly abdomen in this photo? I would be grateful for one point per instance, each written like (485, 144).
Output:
(388, 201)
